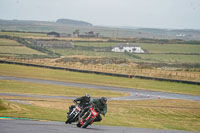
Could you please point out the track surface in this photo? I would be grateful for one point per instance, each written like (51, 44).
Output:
(135, 94)
(29, 126)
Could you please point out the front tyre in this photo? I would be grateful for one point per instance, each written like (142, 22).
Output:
(87, 123)
(78, 125)
(70, 119)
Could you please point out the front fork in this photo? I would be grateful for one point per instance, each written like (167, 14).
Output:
(83, 118)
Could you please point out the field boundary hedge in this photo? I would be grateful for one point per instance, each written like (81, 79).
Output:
(101, 73)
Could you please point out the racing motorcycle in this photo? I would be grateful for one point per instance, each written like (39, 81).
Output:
(88, 117)
(73, 116)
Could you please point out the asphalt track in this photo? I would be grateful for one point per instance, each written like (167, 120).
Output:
(135, 94)
(30, 126)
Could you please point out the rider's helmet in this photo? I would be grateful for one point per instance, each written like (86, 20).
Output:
(87, 97)
(103, 100)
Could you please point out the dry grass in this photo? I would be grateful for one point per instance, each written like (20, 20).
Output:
(130, 68)
(18, 50)
(160, 114)
(42, 102)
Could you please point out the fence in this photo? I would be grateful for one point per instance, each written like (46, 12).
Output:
(102, 73)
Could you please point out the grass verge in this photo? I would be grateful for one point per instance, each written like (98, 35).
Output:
(9, 86)
(60, 75)
(2, 106)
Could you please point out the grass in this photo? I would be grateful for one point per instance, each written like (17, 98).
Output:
(18, 50)
(2, 106)
(74, 52)
(33, 112)
(170, 48)
(7, 86)
(159, 53)
(8, 42)
(157, 114)
(18, 34)
(169, 58)
(11, 47)
(60, 75)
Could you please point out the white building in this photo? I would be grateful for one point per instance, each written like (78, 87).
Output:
(127, 48)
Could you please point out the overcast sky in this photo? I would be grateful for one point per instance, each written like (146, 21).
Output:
(181, 14)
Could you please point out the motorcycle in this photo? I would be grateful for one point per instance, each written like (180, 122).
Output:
(88, 117)
(73, 116)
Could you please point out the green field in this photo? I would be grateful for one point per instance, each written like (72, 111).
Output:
(157, 53)
(8, 42)
(13, 48)
(170, 48)
(60, 75)
(74, 52)
(169, 58)
(18, 50)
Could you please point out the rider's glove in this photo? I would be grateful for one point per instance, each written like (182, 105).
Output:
(75, 101)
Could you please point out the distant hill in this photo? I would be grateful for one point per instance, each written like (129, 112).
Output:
(35, 22)
(69, 26)
(73, 22)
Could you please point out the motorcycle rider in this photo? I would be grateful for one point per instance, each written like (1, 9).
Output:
(83, 102)
(101, 104)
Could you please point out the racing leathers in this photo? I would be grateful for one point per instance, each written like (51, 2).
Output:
(83, 102)
(101, 106)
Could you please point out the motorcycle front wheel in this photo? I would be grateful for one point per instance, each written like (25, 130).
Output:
(87, 123)
(70, 119)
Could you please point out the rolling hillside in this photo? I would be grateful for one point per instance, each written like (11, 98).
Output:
(69, 26)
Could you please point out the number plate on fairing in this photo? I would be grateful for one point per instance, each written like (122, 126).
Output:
(94, 112)
(79, 109)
